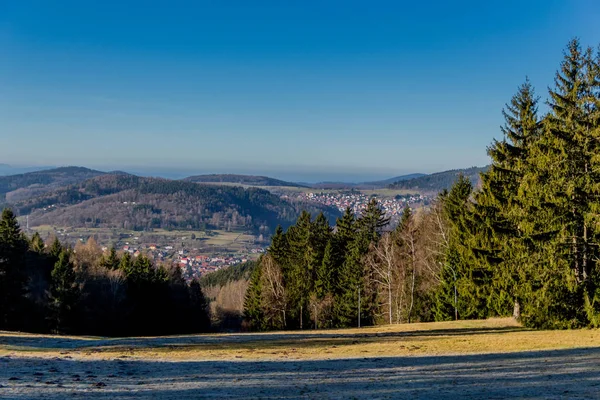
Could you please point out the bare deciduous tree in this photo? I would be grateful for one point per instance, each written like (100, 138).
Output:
(383, 261)
(274, 296)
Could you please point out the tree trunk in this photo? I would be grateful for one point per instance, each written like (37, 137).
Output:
(390, 303)
(517, 311)
(412, 294)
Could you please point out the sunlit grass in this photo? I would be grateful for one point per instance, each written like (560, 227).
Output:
(442, 338)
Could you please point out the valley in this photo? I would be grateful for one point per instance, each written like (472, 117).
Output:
(202, 223)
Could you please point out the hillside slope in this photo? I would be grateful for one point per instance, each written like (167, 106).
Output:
(389, 181)
(132, 202)
(440, 180)
(18, 187)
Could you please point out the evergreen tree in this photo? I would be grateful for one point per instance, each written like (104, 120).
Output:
(461, 279)
(297, 271)
(320, 234)
(372, 221)
(350, 302)
(323, 281)
(559, 207)
(37, 244)
(499, 242)
(64, 294)
(199, 307)
(126, 263)
(111, 261)
(253, 312)
(13, 246)
(55, 249)
(592, 107)
(279, 246)
(148, 293)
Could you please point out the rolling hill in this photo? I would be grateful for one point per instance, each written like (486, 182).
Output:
(248, 180)
(131, 202)
(364, 185)
(390, 181)
(440, 180)
(19, 187)
(6, 169)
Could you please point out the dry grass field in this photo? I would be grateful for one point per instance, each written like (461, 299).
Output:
(470, 359)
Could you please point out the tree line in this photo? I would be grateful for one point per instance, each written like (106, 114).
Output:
(525, 243)
(54, 288)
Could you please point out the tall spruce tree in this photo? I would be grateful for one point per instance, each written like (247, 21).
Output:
(64, 294)
(198, 307)
(591, 104)
(13, 246)
(351, 306)
(297, 271)
(37, 244)
(559, 203)
(253, 312)
(111, 260)
(55, 249)
(461, 277)
(499, 241)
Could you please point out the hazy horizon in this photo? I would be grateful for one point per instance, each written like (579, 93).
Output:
(277, 87)
(291, 174)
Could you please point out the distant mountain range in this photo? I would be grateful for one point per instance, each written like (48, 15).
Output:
(247, 180)
(440, 180)
(80, 197)
(400, 178)
(18, 187)
(83, 197)
(6, 169)
(364, 185)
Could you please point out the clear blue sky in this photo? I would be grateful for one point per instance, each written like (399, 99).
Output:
(289, 88)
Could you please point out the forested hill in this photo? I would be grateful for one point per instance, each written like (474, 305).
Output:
(249, 180)
(440, 180)
(390, 181)
(139, 203)
(21, 186)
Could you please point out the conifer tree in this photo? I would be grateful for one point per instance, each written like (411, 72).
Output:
(279, 246)
(111, 261)
(12, 268)
(199, 307)
(559, 212)
(297, 271)
(253, 312)
(55, 249)
(320, 234)
(350, 302)
(64, 293)
(372, 221)
(500, 243)
(458, 279)
(126, 264)
(323, 281)
(37, 244)
(592, 107)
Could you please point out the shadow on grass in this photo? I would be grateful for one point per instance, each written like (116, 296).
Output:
(540, 374)
(232, 341)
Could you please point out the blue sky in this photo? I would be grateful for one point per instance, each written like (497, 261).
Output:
(307, 90)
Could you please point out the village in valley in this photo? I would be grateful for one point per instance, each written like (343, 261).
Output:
(196, 253)
(357, 201)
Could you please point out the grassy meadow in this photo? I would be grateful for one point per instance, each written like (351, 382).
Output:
(419, 339)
